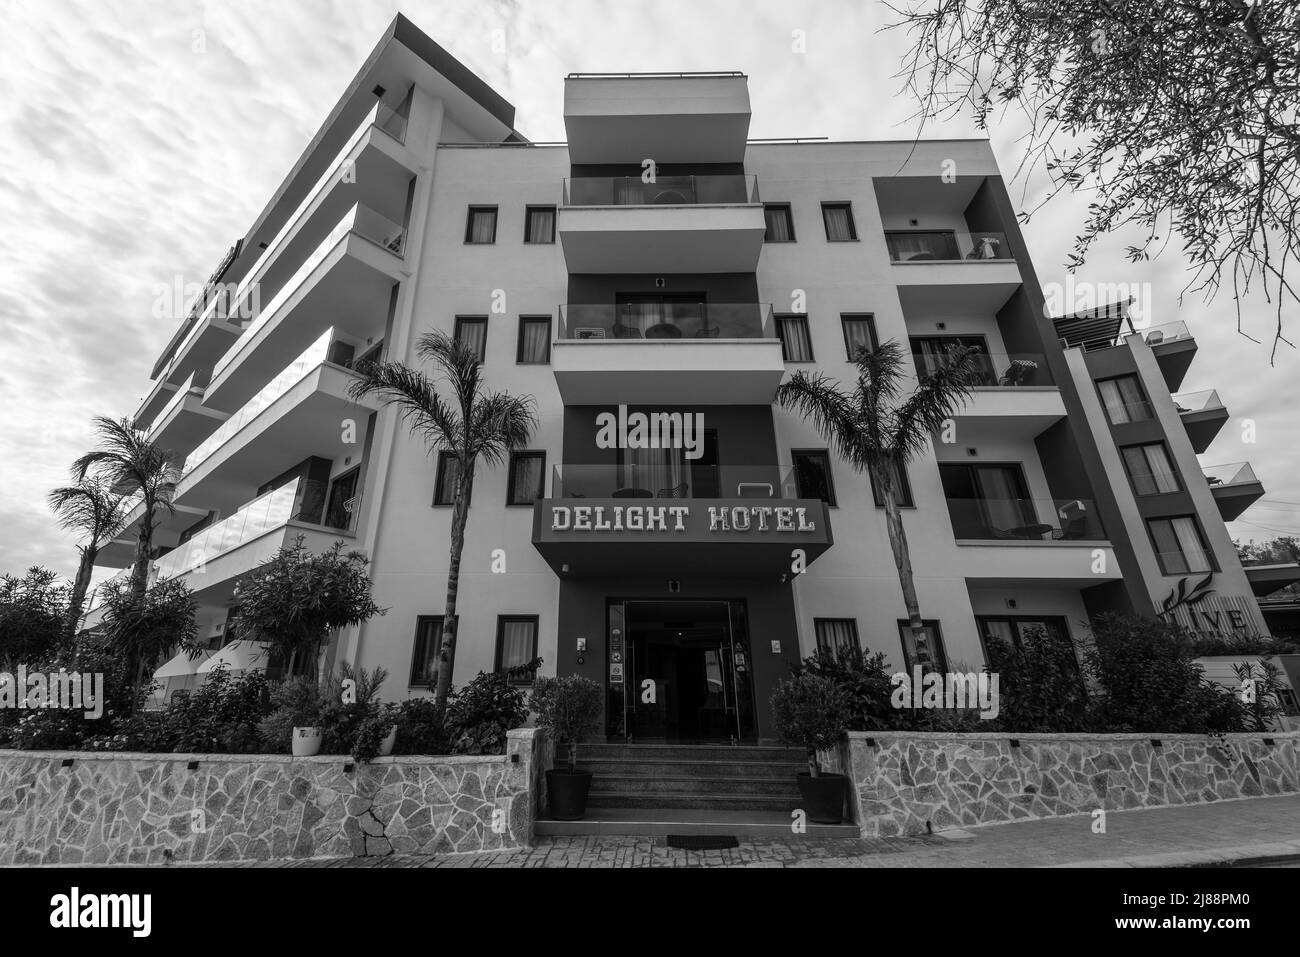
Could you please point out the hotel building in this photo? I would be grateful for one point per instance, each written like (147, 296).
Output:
(661, 263)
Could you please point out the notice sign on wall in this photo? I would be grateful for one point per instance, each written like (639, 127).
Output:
(680, 518)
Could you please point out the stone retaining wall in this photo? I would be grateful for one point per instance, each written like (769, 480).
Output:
(901, 781)
(108, 808)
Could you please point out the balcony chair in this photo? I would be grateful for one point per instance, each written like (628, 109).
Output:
(626, 332)
(1074, 522)
(1019, 372)
(677, 491)
(1155, 338)
(708, 332)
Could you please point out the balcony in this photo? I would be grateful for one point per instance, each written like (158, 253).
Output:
(1037, 539)
(168, 528)
(1235, 488)
(184, 422)
(1015, 394)
(677, 224)
(345, 284)
(297, 415)
(706, 353)
(607, 521)
(952, 271)
(217, 556)
(1203, 415)
(1174, 348)
(671, 117)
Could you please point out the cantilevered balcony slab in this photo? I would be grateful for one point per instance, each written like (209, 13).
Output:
(1069, 564)
(980, 286)
(670, 118)
(185, 421)
(1204, 416)
(1174, 347)
(1235, 488)
(168, 528)
(696, 238)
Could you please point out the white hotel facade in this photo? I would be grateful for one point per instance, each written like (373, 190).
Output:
(418, 207)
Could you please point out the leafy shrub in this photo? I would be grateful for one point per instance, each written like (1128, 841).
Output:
(480, 714)
(1264, 703)
(810, 712)
(372, 732)
(864, 679)
(221, 715)
(32, 615)
(1040, 684)
(295, 703)
(143, 628)
(569, 708)
(1203, 646)
(420, 728)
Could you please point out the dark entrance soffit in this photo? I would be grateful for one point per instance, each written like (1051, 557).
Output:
(695, 550)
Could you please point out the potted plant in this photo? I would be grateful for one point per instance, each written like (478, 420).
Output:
(376, 735)
(812, 712)
(569, 708)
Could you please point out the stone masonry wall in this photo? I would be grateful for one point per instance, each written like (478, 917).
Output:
(135, 808)
(903, 780)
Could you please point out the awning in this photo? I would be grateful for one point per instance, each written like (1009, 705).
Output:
(237, 656)
(181, 665)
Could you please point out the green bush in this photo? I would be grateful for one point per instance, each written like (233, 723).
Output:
(1040, 685)
(373, 730)
(569, 708)
(865, 680)
(480, 714)
(420, 728)
(221, 715)
(295, 703)
(810, 712)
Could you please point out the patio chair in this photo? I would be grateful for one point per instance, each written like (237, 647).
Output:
(677, 491)
(626, 332)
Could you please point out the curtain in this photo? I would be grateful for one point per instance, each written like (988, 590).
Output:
(473, 333)
(518, 641)
(1149, 467)
(541, 225)
(794, 336)
(659, 471)
(1000, 492)
(857, 334)
(905, 246)
(629, 191)
(778, 224)
(483, 229)
(1189, 543)
(928, 652)
(836, 636)
(839, 226)
(447, 490)
(527, 479)
(428, 642)
(640, 316)
(1116, 410)
(1123, 400)
(535, 340)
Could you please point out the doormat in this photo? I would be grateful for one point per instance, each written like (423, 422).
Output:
(705, 843)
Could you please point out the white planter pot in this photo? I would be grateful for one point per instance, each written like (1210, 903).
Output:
(306, 742)
(390, 741)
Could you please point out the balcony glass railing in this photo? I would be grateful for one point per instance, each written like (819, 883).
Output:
(187, 388)
(264, 514)
(678, 320)
(731, 190)
(390, 121)
(1197, 402)
(665, 478)
(1238, 473)
(1025, 519)
(994, 369)
(946, 246)
(1168, 332)
(294, 373)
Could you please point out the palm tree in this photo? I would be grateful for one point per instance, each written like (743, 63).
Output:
(96, 511)
(132, 465)
(878, 432)
(474, 425)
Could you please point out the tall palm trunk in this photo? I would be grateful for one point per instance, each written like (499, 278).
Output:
(77, 599)
(143, 552)
(459, 516)
(884, 476)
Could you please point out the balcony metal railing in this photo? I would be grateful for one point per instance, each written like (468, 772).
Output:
(994, 369)
(1237, 473)
(726, 190)
(1197, 402)
(678, 320)
(947, 245)
(360, 220)
(290, 376)
(1025, 519)
(682, 480)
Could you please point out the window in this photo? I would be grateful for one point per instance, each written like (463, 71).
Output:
(481, 226)
(424, 656)
(932, 353)
(534, 340)
(909, 245)
(471, 331)
(838, 218)
(1013, 630)
(903, 489)
(1149, 469)
(527, 478)
(444, 492)
(796, 345)
(780, 224)
(1180, 545)
(812, 474)
(1122, 396)
(516, 645)
(859, 333)
(539, 224)
(928, 652)
(989, 501)
(836, 636)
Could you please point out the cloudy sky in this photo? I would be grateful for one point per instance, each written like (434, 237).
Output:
(138, 139)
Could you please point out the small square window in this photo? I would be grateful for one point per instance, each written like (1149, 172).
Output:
(534, 340)
(471, 331)
(904, 489)
(481, 226)
(838, 218)
(837, 637)
(796, 343)
(527, 478)
(859, 333)
(928, 652)
(516, 646)
(780, 223)
(812, 474)
(539, 225)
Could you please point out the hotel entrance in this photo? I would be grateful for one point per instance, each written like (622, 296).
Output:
(679, 671)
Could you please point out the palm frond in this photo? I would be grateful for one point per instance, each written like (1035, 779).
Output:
(936, 399)
(417, 401)
(832, 414)
(500, 424)
(90, 507)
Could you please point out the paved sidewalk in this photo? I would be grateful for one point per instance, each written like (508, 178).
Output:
(1161, 837)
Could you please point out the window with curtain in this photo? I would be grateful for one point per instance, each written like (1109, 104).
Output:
(859, 333)
(1123, 400)
(539, 224)
(838, 218)
(444, 492)
(1002, 633)
(516, 644)
(796, 344)
(836, 636)
(928, 652)
(661, 472)
(424, 656)
(471, 331)
(920, 245)
(534, 340)
(812, 473)
(527, 477)
(901, 484)
(931, 353)
(780, 224)
(482, 225)
(1149, 469)
(987, 501)
(1179, 545)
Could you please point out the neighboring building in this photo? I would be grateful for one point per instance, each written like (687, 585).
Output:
(417, 207)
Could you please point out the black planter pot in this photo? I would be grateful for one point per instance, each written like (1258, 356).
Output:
(567, 794)
(823, 796)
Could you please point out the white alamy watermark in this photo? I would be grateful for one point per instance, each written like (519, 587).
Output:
(178, 299)
(934, 690)
(654, 430)
(75, 909)
(1072, 297)
(69, 690)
